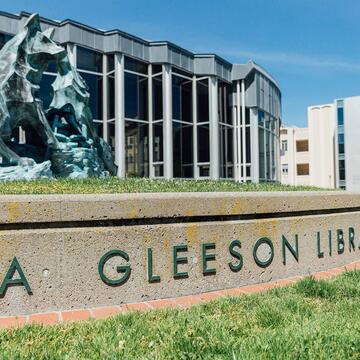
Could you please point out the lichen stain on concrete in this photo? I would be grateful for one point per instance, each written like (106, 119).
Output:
(268, 228)
(147, 239)
(189, 212)
(13, 211)
(192, 234)
(237, 207)
(133, 214)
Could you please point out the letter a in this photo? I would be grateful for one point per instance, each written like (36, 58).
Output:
(9, 281)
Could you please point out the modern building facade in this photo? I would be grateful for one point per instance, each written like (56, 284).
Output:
(333, 146)
(335, 131)
(294, 156)
(310, 155)
(347, 145)
(166, 111)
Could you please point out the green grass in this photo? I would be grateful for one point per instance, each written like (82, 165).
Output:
(135, 185)
(310, 320)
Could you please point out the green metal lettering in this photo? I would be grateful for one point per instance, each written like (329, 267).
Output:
(208, 257)
(340, 241)
(151, 277)
(320, 253)
(124, 269)
(236, 254)
(294, 251)
(9, 281)
(351, 239)
(179, 260)
(266, 263)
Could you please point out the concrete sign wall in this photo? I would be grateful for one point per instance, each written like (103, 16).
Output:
(69, 252)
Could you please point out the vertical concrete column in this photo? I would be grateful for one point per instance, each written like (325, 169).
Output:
(254, 136)
(238, 130)
(195, 129)
(214, 128)
(167, 113)
(243, 114)
(119, 115)
(150, 117)
(105, 97)
(235, 154)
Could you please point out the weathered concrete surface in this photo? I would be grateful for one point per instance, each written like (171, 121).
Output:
(61, 264)
(55, 208)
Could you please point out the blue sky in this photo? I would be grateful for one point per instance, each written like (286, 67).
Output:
(310, 46)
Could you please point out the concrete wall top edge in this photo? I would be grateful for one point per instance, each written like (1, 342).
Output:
(19, 209)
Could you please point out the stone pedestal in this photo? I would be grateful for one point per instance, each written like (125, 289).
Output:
(77, 163)
(26, 172)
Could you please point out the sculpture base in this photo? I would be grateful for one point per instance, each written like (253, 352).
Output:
(26, 172)
(77, 163)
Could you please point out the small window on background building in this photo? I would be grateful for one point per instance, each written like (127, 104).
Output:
(302, 145)
(340, 116)
(342, 169)
(285, 169)
(284, 145)
(341, 143)
(302, 169)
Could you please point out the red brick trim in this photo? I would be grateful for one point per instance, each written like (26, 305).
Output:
(54, 317)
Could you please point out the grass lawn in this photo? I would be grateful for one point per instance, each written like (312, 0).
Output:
(309, 320)
(135, 185)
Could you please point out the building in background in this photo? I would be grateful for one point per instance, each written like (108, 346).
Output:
(166, 111)
(321, 125)
(294, 156)
(347, 144)
(333, 143)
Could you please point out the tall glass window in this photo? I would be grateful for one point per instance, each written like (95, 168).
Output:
(89, 60)
(136, 118)
(90, 65)
(268, 139)
(226, 130)
(182, 124)
(203, 126)
(136, 149)
(4, 38)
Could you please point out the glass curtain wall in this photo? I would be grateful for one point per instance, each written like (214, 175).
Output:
(226, 130)
(158, 121)
(268, 138)
(203, 127)
(182, 124)
(90, 65)
(136, 118)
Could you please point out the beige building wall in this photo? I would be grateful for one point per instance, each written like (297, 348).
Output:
(294, 156)
(322, 126)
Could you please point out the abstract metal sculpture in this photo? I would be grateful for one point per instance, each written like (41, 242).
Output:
(70, 146)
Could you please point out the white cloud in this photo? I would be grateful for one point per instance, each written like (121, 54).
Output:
(324, 61)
